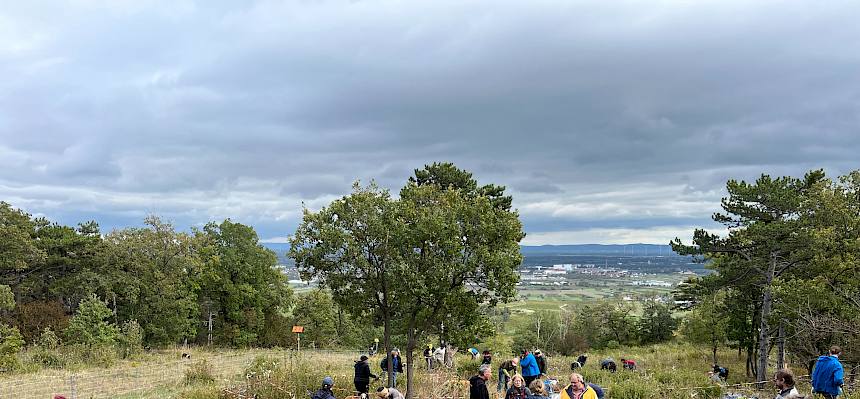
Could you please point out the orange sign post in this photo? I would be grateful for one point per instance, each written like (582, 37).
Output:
(298, 330)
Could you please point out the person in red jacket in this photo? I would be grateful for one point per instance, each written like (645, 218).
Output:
(628, 364)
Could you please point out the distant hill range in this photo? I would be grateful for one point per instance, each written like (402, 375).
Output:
(578, 249)
(600, 249)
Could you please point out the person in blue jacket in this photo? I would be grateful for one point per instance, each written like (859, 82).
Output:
(529, 366)
(828, 373)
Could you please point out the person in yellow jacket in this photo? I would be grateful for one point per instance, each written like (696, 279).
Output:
(578, 389)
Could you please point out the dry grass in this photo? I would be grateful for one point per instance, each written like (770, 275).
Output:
(665, 371)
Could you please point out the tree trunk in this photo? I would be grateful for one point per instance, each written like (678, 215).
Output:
(410, 348)
(780, 358)
(764, 327)
(751, 363)
(386, 341)
(714, 348)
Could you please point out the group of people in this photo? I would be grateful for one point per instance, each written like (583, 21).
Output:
(609, 364)
(827, 377)
(537, 389)
(527, 384)
(439, 356)
(326, 392)
(363, 374)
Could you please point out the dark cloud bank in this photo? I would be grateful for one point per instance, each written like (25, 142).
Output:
(609, 122)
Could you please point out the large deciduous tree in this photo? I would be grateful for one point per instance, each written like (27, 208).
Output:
(353, 247)
(461, 251)
(441, 252)
(148, 276)
(240, 281)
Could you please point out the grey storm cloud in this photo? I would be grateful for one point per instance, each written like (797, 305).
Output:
(607, 121)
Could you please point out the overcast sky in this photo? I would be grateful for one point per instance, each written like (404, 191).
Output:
(608, 121)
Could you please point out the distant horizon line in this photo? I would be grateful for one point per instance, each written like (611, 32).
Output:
(532, 246)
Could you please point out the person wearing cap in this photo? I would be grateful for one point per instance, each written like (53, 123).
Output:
(397, 366)
(388, 393)
(325, 391)
(362, 376)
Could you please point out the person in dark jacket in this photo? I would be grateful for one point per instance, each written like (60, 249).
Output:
(597, 390)
(827, 376)
(478, 384)
(541, 362)
(325, 391)
(608, 364)
(398, 366)
(488, 358)
(362, 376)
(580, 362)
(428, 357)
(721, 372)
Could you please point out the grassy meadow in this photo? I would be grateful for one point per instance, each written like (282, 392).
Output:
(665, 371)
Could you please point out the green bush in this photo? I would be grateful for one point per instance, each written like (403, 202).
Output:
(131, 339)
(45, 357)
(48, 340)
(468, 368)
(712, 392)
(200, 372)
(89, 326)
(202, 392)
(11, 342)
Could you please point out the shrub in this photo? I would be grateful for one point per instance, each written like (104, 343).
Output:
(711, 392)
(48, 340)
(468, 368)
(131, 339)
(204, 392)
(10, 344)
(200, 372)
(34, 317)
(89, 326)
(632, 389)
(46, 357)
